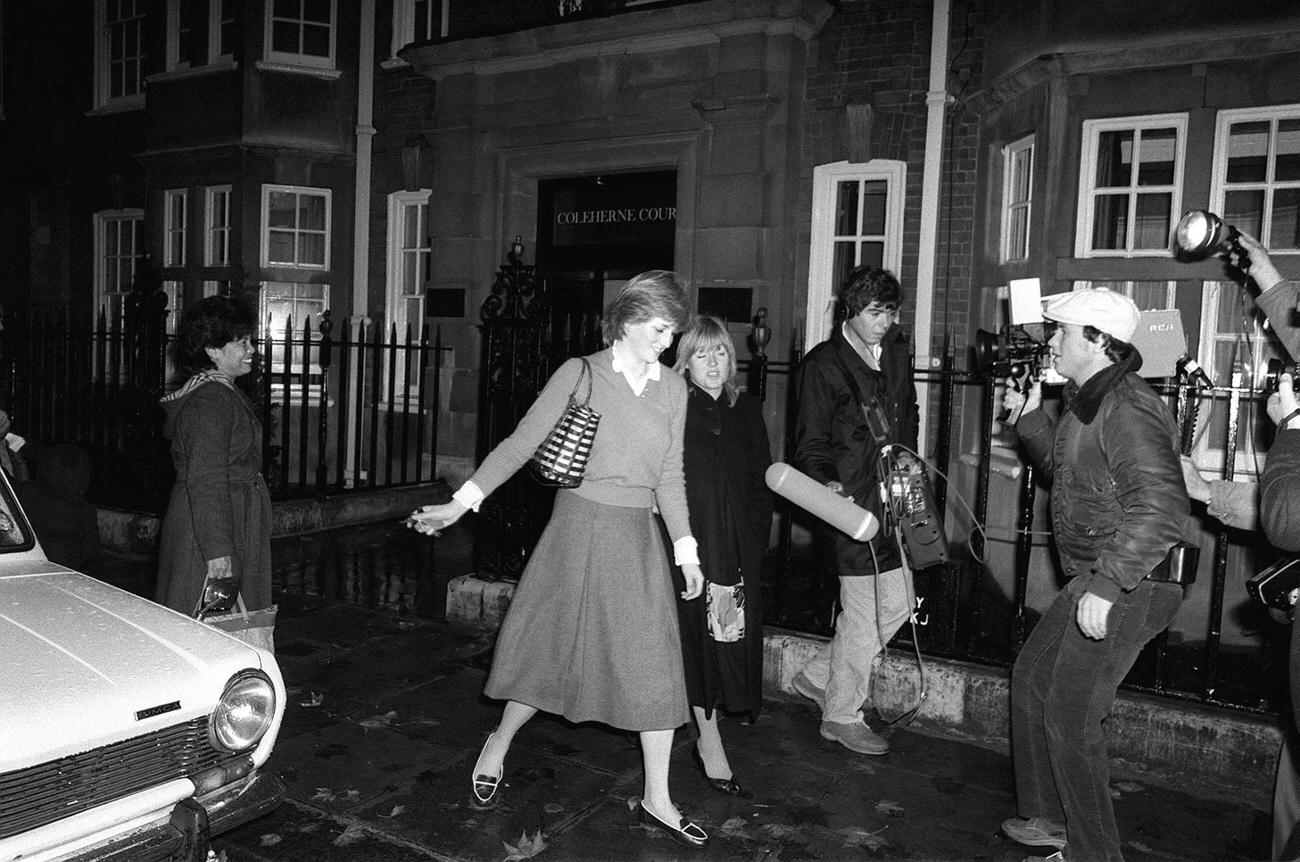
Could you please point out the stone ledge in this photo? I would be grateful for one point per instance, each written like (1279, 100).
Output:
(1198, 749)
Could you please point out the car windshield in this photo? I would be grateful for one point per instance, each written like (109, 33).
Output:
(15, 532)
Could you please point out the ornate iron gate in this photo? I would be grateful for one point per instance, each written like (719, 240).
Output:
(526, 335)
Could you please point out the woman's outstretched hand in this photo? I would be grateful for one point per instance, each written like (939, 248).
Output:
(430, 519)
(694, 581)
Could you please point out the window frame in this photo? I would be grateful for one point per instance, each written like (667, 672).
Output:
(404, 24)
(212, 53)
(1088, 190)
(289, 58)
(103, 296)
(270, 188)
(216, 237)
(215, 54)
(1219, 185)
(399, 256)
(819, 313)
(1010, 205)
(175, 203)
(103, 80)
(1249, 457)
(286, 373)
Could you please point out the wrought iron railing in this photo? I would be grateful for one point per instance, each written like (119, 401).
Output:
(341, 412)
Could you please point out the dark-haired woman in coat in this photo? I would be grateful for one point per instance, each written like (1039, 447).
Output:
(218, 521)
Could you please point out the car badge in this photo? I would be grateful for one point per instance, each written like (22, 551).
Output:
(142, 714)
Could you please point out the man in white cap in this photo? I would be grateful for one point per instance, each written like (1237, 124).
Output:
(1118, 506)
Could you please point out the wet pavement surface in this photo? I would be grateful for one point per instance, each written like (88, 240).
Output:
(386, 717)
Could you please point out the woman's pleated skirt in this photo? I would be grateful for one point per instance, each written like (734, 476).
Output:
(592, 631)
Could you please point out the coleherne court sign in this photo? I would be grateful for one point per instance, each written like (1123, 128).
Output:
(615, 209)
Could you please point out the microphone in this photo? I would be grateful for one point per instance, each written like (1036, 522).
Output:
(807, 493)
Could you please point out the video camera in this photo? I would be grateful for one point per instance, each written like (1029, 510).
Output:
(1011, 352)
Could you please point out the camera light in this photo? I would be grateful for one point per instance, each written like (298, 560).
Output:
(1201, 233)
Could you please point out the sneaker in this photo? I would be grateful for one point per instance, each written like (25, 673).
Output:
(1034, 832)
(855, 736)
(806, 687)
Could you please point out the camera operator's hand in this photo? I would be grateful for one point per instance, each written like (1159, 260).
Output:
(1258, 263)
(1019, 403)
(1282, 403)
(1197, 487)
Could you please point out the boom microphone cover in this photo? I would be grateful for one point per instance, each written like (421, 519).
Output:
(807, 493)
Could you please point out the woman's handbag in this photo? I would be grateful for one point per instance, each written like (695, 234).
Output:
(255, 628)
(561, 459)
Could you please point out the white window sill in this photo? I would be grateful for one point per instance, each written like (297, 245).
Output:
(193, 71)
(292, 69)
(118, 106)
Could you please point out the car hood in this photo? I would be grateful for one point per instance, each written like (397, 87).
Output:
(85, 664)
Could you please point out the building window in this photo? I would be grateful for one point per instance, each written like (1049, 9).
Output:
(221, 30)
(418, 21)
(300, 32)
(175, 219)
(857, 218)
(1235, 351)
(1256, 183)
(409, 252)
(296, 227)
(287, 309)
(1146, 294)
(199, 32)
(1130, 185)
(216, 211)
(1017, 195)
(120, 53)
(118, 251)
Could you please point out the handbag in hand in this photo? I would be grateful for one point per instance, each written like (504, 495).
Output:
(561, 459)
(255, 628)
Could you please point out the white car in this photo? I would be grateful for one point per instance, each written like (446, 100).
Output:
(127, 731)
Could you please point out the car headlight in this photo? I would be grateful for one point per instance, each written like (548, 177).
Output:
(244, 713)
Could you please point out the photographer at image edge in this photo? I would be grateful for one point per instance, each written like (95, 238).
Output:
(1273, 505)
(1118, 506)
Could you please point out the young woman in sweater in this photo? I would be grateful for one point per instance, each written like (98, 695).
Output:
(592, 631)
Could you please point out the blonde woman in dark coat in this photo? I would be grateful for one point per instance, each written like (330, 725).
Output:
(725, 454)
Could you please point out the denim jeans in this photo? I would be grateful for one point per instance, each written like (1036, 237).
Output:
(872, 610)
(1062, 686)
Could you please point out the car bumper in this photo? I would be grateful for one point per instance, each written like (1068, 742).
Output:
(182, 833)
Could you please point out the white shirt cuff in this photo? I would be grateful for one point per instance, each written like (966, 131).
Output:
(470, 496)
(686, 551)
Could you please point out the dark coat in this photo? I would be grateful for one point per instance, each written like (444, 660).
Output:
(219, 504)
(833, 441)
(1118, 499)
(725, 454)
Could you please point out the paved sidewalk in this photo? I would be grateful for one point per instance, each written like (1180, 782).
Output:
(386, 717)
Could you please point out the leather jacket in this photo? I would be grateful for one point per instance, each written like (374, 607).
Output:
(833, 441)
(1118, 501)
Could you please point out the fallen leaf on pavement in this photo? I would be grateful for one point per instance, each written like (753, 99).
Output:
(351, 835)
(890, 808)
(527, 847)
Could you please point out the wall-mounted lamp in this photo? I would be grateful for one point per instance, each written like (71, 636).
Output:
(1201, 233)
(516, 253)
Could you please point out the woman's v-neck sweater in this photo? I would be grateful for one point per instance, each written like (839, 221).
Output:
(636, 458)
